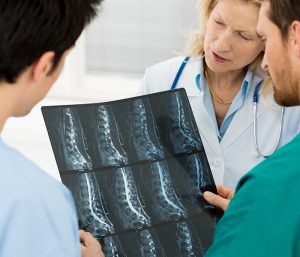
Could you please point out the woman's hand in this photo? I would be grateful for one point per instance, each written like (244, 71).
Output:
(90, 247)
(220, 200)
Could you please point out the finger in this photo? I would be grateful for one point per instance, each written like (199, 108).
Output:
(85, 237)
(81, 233)
(82, 239)
(83, 249)
(216, 200)
(225, 192)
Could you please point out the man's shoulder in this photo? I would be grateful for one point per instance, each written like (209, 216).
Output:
(280, 171)
(22, 179)
(36, 211)
(285, 157)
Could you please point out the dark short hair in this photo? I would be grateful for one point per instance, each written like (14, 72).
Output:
(29, 28)
(283, 12)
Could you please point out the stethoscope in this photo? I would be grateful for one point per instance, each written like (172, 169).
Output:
(254, 102)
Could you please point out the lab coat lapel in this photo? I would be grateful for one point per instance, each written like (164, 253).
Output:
(205, 125)
(241, 120)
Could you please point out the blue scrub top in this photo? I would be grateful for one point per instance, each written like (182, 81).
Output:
(37, 213)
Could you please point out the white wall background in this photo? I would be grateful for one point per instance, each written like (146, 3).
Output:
(107, 64)
(130, 35)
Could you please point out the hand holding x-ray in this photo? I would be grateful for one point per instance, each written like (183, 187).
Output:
(222, 199)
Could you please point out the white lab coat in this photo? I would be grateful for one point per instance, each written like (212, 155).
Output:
(235, 154)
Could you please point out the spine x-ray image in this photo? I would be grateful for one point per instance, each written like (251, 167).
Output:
(182, 139)
(166, 202)
(91, 210)
(137, 170)
(122, 185)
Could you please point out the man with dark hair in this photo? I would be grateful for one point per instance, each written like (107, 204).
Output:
(37, 213)
(263, 218)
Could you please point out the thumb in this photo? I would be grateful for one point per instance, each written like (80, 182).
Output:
(216, 200)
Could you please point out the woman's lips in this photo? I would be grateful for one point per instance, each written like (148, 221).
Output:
(218, 58)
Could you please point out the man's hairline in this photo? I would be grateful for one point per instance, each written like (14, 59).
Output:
(284, 38)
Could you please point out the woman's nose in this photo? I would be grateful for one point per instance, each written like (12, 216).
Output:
(223, 43)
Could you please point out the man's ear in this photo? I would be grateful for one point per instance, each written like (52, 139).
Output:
(42, 66)
(295, 36)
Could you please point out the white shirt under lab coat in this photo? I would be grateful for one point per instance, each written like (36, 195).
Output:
(235, 154)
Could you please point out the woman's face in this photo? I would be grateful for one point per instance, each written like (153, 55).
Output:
(231, 42)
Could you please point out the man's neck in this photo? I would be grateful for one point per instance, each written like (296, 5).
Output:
(7, 99)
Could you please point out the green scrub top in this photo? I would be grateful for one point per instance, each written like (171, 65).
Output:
(263, 218)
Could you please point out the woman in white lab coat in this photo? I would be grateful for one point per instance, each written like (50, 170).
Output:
(223, 82)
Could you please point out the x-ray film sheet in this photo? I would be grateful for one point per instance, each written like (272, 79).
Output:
(137, 170)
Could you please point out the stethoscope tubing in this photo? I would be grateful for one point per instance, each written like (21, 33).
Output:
(255, 102)
(259, 153)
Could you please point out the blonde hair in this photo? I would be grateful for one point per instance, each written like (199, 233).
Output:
(195, 45)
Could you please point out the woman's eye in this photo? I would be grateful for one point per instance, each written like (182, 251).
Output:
(219, 22)
(245, 37)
